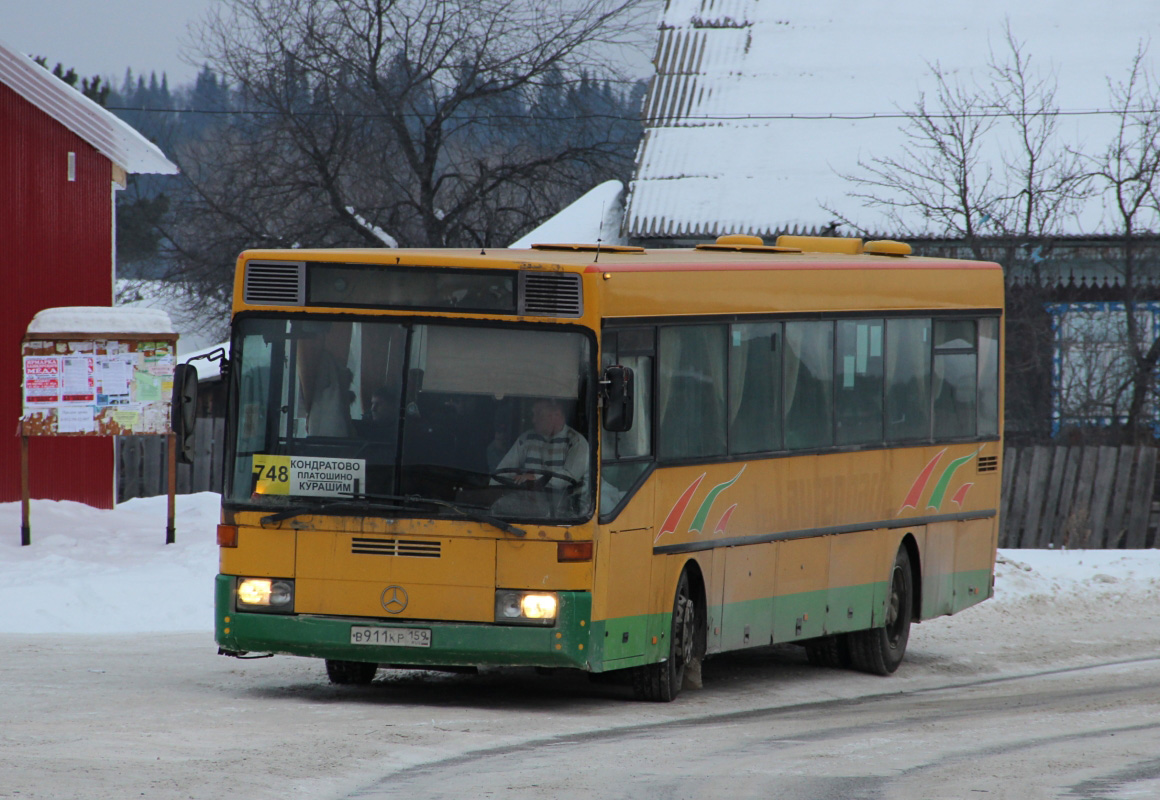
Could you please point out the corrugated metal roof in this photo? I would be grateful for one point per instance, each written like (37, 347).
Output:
(722, 155)
(113, 138)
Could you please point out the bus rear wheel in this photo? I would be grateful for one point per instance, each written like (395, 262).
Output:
(829, 651)
(350, 673)
(879, 651)
(662, 682)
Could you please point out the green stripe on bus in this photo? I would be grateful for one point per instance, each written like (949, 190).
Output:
(452, 644)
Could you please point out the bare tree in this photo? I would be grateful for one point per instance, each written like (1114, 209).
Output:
(421, 122)
(982, 164)
(1127, 174)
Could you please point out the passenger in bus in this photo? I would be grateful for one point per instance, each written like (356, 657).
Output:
(498, 446)
(551, 452)
(382, 422)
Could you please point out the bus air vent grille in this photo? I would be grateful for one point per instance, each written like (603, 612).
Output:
(988, 463)
(275, 283)
(551, 294)
(395, 547)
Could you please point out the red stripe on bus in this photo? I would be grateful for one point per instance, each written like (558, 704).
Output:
(916, 489)
(678, 509)
(727, 267)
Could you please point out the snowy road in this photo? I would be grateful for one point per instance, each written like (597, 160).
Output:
(1032, 696)
(1086, 732)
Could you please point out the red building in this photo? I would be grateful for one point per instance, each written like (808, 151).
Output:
(62, 158)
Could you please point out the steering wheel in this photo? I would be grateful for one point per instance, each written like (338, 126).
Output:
(544, 475)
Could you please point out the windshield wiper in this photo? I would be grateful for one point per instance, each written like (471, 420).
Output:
(469, 512)
(329, 507)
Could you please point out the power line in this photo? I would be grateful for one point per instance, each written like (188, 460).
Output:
(804, 117)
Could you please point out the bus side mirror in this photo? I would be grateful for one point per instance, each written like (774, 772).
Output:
(183, 410)
(618, 402)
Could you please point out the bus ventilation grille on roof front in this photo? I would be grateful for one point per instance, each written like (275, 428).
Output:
(276, 283)
(550, 294)
(416, 548)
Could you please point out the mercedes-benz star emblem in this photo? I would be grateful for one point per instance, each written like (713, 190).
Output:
(394, 599)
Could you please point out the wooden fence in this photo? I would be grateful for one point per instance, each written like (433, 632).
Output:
(1075, 497)
(1078, 497)
(142, 463)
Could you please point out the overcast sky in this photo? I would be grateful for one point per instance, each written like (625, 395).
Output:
(103, 38)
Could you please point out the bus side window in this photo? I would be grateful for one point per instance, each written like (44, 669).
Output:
(907, 379)
(955, 378)
(809, 385)
(989, 377)
(755, 387)
(859, 385)
(626, 456)
(691, 394)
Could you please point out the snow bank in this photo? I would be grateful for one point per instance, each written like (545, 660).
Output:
(1058, 573)
(93, 571)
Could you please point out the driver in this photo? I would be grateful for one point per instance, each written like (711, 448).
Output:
(550, 450)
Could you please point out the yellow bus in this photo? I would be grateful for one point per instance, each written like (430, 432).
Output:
(607, 458)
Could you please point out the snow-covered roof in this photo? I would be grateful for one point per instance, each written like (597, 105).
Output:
(111, 137)
(745, 130)
(596, 214)
(84, 320)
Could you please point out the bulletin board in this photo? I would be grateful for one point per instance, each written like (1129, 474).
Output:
(97, 386)
(96, 371)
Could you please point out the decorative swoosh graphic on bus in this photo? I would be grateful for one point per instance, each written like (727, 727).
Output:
(961, 494)
(673, 519)
(678, 509)
(702, 514)
(938, 495)
(940, 488)
(724, 521)
(919, 485)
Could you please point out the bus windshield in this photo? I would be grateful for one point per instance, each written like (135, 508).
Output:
(479, 417)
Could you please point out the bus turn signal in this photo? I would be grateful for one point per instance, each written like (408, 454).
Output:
(574, 551)
(227, 535)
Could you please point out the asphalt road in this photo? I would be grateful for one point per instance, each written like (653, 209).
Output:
(1090, 732)
(1028, 702)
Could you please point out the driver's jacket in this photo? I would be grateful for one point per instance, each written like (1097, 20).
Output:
(560, 457)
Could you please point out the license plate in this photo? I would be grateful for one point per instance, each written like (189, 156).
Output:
(394, 637)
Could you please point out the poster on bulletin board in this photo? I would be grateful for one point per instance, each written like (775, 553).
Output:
(97, 372)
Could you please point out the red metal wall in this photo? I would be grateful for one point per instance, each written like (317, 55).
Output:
(56, 249)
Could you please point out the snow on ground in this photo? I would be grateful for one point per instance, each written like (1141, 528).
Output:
(94, 571)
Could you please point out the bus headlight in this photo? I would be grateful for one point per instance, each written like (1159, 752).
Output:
(265, 594)
(525, 608)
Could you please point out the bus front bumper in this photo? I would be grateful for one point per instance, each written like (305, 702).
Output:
(452, 643)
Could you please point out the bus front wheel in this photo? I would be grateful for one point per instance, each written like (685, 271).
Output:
(350, 673)
(662, 682)
(879, 651)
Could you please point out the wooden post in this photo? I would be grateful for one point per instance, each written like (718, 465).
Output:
(170, 533)
(25, 529)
